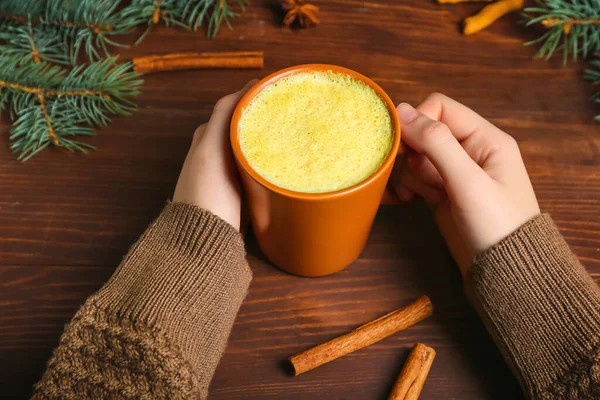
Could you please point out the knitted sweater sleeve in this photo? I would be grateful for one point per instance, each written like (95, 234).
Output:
(158, 327)
(542, 310)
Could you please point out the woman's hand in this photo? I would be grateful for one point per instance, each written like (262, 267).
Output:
(468, 170)
(208, 178)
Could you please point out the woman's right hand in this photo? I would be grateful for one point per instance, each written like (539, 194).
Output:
(208, 178)
(468, 170)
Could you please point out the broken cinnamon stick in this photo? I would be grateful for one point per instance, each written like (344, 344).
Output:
(177, 61)
(413, 374)
(362, 336)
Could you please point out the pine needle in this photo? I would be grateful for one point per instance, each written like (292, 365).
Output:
(594, 76)
(187, 14)
(49, 105)
(69, 25)
(572, 27)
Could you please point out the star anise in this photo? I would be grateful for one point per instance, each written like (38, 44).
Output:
(306, 14)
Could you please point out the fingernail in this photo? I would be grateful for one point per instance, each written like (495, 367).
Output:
(406, 113)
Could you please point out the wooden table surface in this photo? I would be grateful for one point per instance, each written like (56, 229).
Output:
(66, 220)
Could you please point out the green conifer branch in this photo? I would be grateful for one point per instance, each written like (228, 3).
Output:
(188, 14)
(215, 12)
(61, 28)
(572, 26)
(50, 105)
(22, 10)
(153, 12)
(33, 44)
(594, 76)
(87, 24)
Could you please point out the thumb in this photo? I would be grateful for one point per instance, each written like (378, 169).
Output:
(218, 125)
(435, 140)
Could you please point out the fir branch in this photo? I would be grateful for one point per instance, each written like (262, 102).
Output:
(47, 103)
(573, 27)
(101, 88)
(51, 133)
(152, 12)
(594, 76)
(32, 43)
(50, 105)
(91, 24)
(21, 10)
(31, 130)
(214, 11)
(87, 24)
(21, 83)
(188, 14)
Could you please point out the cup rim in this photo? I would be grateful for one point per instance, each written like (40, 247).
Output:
(272, 78)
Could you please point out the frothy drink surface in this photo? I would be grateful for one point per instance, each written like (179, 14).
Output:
(316, 132)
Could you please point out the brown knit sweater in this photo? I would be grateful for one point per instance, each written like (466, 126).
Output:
(160, 324)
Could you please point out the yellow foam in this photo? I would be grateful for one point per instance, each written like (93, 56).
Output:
(316, 132)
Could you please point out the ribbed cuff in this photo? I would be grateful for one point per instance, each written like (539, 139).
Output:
(187, 277)
(538, 302)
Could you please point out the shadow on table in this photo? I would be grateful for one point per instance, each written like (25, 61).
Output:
(467, 361)
(472, 352)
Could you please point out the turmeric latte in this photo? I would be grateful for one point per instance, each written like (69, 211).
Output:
(316, 132)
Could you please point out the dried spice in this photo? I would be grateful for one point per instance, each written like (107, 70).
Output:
(299, 10)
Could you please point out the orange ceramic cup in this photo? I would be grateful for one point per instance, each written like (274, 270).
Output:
(312, 234)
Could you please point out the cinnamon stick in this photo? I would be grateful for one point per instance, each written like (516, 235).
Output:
(191, 60)
(462, 1)
(413, 374)
(362, 336)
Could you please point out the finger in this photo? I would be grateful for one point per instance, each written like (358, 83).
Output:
(430, 194)
(404, 194)
(460, 119)
(198, 133)
(423, 169)
(481, 139)
(221, 116)
(407, 185)
(187, 168)
(491, 155)
(434, 140)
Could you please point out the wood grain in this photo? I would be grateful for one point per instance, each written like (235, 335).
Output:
(66, 220)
